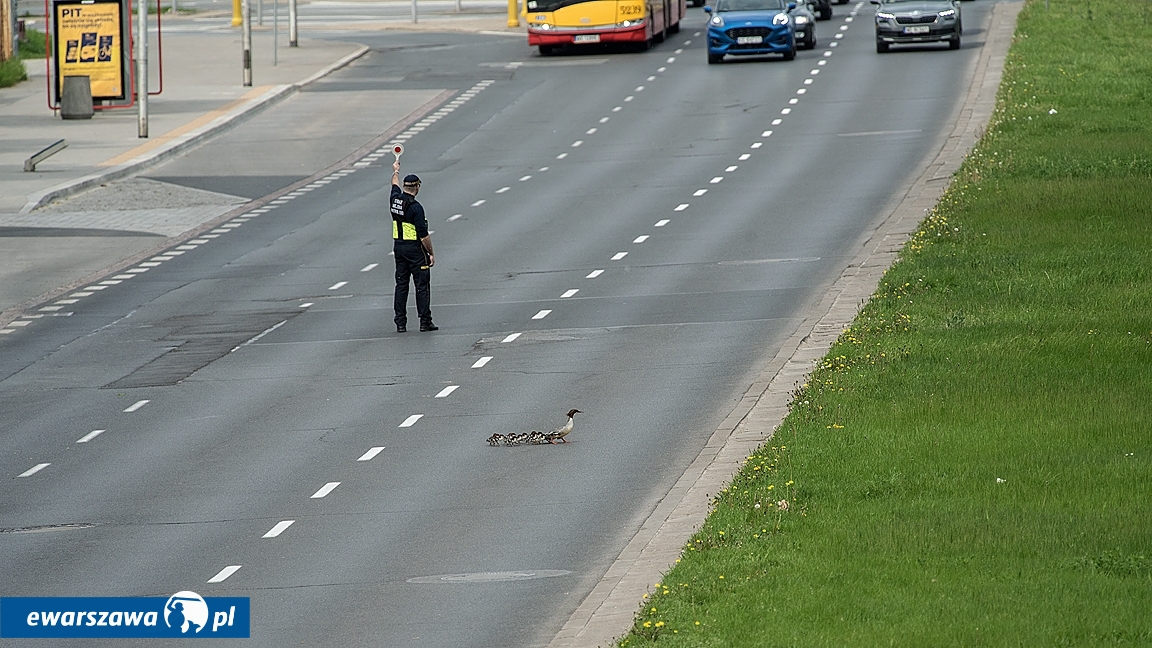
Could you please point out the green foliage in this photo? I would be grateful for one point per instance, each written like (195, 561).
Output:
(12, 72)
(972, 460)
(33, 45)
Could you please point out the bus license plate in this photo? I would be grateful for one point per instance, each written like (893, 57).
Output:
(586, 38)
(749, 40)
(917, 29)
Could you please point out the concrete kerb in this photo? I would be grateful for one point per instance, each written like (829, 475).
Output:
(182, 143)
(608, 611)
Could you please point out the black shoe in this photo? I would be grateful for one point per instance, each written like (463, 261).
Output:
(400, 328)
(428, 327)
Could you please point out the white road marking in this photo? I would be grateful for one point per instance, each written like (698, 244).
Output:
(338, 285)
(671, 59)
(757, 145)
(785, 111)
(137, 405)
(454, 217)
(186, 247)
(369, 267)
(777, 121)
(91, 435)
(217, 232)
(834, 43)
(662, 222)
(305, 305)
(700, 192)
(679, 51)
(577, 143)
(821, 62)
(19, 323)
(510, 338)
(503, 189)
(848, 19)
(807, 82)
(651, 78)
(67, 301)
(153, 264)
(447, 390)
(224, 574)
(81, 294)
(561, 156)
(126, 276)
(479, 202)
(716, 180)
(619, 255)
(525, 178)
(481, 362)
(838, 36)
(542, 314)
(34, 469)
(411, 420)
(681, 207)
(628, 98)
(324, 490)
(814, 72)
(543, 169)
(569, 293)
(51, 308)
(641, 238)
(731, 169)
(843, 27)
(661, 69)
(594, 274)
(793, 101)
(604, 120)
(590, 131)
(7, 331)
(744, 156)
(827, 53)
(161, 258)
(639, 89)
(279, 528)
(372, 452)
(617, 109)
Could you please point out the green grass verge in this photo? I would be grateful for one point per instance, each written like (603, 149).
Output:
(33, 45)
(12, 72)
(971, 464)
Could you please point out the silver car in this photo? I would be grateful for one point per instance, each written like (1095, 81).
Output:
(917, 21)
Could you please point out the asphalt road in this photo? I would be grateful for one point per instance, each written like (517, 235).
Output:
(557, 168)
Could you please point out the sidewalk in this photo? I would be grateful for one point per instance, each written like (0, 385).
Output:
(55, 231)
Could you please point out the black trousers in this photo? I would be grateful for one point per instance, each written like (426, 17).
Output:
(411, 263)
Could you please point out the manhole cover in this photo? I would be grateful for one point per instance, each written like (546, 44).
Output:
(491, 577)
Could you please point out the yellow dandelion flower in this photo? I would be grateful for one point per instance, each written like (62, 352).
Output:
(647, 624)
(659, 624)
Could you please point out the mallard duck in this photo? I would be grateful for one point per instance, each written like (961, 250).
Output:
(560, 433)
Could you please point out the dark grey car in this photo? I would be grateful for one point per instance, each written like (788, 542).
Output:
(917, 21)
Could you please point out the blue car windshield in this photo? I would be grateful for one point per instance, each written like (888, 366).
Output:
(749, 5)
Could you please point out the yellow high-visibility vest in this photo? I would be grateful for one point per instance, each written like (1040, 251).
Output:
(408, 233)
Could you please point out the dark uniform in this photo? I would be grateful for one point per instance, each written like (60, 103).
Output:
(409, 226)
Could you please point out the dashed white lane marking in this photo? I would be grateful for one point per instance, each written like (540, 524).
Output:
(604, 120)
(447, 390)
(338, 285)
(479, 202)
(651, 78)
(590, 131)
(671, 59)
(744, 156)
(369, 267)
(568, 293)
(91, 435)
(662, 222)
(561, 156)
(411, 420)
(577, 143)
(785, 111)
(777, 121)
(731, 169)
(848, 19)
(661, 69)
(544, 168)
(594, 274)
(679, 51)
(542, 314)
(628, 98)
(279, 528)
(814, 72)
(617, 108)
(716, 180)
(834, 43)
(372, 452)
(324, 490)
(808, 81)
(641, 238)
(757, 145)
(34, 469)
(700, 192)
(510, 338)
(306, 305)
(454, 217)
(843, 27)
(619, 255)
(481, 362)
(681, 207)
(639, 89)
(224, 574)
(793, 101)
(503, 189)
(526, 178)
(137, 405)
(827, 53)
(838, 36)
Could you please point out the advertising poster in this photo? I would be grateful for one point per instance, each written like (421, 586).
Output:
(89, 42)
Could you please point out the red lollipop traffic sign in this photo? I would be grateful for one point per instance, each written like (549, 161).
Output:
(397, 150)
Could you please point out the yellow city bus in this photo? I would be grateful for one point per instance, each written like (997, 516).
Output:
(555, 23)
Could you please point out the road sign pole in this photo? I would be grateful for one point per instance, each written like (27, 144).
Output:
(413, 11)
(513, 14)
(246, 40)
(142, 68)
(292, 23)
(275, 32)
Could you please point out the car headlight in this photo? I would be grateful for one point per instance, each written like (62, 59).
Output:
(780, 19)
(543, 26)
(631, 23)
(885, 17)
(801, 20)
(716, 21)
(948, 14)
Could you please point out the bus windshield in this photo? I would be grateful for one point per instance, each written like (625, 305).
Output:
(749, 5)
(550, 5)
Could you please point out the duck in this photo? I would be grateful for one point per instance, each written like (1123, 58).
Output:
(560, 433)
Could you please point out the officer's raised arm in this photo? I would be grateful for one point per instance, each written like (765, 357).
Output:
(396, 173)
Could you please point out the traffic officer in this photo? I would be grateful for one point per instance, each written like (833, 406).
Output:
(412, 247)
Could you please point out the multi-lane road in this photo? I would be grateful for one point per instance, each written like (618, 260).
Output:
(630, 234)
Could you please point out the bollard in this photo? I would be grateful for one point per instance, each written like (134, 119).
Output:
(76, 98)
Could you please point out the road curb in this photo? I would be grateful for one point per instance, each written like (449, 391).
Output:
(608, 611)
(183, 143)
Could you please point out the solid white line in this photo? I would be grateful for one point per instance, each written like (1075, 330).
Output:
(619, 255)
(279, 528)
(324, 490)
(369, 267)
(681, 207)
(568, 293)
(338, 285)
(411, 420)
(479, 202)
(447, 390)
(662, 222)
(224, 574)
(372, 452)
(91, 435)
(594, 274)
(641, 238)
(542, 314)
(137, 405)
(34, 469)
(481, 362)
(699, 192)
(510, 338)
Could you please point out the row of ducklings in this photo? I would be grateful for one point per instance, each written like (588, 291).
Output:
(534, 437)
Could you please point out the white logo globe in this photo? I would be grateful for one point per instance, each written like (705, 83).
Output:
(186, 611)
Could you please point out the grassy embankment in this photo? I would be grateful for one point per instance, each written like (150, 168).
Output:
(12, 71)
(972, 462)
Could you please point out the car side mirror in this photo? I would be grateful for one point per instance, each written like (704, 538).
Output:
(707, 8)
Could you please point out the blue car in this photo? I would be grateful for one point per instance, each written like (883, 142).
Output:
(751, 28)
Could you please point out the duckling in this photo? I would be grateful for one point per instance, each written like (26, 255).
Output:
(560, 433)
(536, 438)
(497, 439)
(516, 438)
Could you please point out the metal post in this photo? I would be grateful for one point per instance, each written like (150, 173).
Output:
(413, 11)
(237, 20)
(275, 31)
(458, 8)
(513, 14)
(175, 7)
(142, 68)
(292, 23)
(246, 40)
(260, 12)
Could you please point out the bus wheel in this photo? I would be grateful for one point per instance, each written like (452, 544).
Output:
(547, 50)
(674, 29)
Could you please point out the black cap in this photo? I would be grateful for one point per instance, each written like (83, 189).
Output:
(411, 179)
